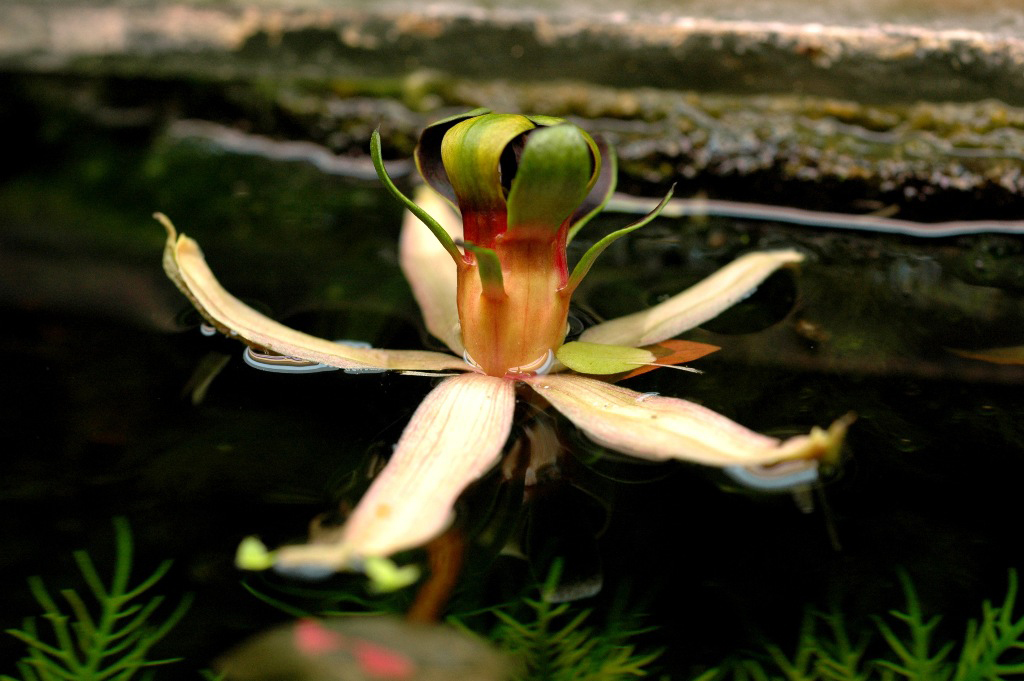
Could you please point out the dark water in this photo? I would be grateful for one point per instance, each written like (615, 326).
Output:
(100, 350)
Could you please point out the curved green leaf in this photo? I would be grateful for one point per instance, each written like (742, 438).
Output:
(488, 269)
(471, 151)
(607, 176)
(541, 119)
(553, 178)
(428, 153)
(588, 259)
(436, 229)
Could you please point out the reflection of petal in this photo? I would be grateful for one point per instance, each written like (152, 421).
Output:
(185, 265)
(1008, 355)
(455, 436)
(659, 428)
(703, 301)
(429, 268)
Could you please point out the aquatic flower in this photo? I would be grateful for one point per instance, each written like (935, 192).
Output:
(495, 288)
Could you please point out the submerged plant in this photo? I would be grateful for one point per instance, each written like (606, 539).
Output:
(992, 648)
(552, 643)
(493, 283)
(109, 640)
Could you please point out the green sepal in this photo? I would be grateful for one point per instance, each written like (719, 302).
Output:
(488, 269)
(597, 358)
(252, 554)
(601, 192)
(436, 229)
(595, 165)
(595, 149)
(471, 151)
(553, 178)
(587, 261)
(541, 119)
(385, 576)
(428, 153)
(457, 118)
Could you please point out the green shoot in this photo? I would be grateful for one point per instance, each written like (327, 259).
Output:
(992, 648)
(109, 640)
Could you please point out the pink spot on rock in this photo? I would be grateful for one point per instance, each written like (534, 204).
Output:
(381, 663)
(313, 638)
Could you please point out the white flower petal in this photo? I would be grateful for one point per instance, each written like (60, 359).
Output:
(703, 301)
(456, 435)
(186, 267)
(659, 428)
(429, 268)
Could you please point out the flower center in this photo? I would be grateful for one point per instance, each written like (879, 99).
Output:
(537, 367)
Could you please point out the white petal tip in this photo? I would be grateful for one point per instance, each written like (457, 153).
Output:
(783, 477)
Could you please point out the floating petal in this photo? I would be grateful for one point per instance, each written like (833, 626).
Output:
(279, 364)
(788, 476)
(455, 436)
(694, 306)
(660, 428)
(429, 269)
(672, 352)
(186, 267)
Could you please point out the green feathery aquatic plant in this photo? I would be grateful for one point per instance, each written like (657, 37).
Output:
(108, 641)
(555, 646)
(552, 642)
(992, 648)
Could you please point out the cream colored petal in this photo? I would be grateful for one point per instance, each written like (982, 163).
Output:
(694, 306)
(429, 268)
(660, 428)
(186, 267)
(456, 435)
